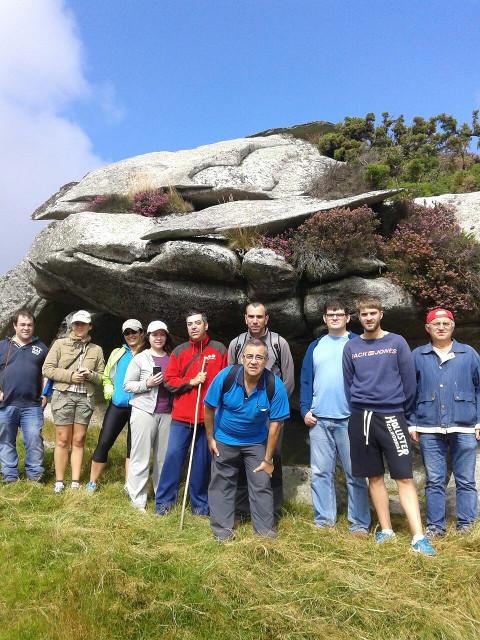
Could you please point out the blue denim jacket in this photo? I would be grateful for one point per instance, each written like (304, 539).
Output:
(448, 394)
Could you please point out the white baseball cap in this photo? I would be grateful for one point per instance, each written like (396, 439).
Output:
(81, 316)
(133, 324)
(156, 325)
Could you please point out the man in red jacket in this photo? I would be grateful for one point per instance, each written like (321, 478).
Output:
(192, 363)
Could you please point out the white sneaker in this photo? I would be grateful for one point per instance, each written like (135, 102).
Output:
(58, 487)
(138, 507)
(75, 485)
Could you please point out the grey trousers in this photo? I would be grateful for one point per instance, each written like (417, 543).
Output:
(223, 488)
(242, 508)
(149, 432)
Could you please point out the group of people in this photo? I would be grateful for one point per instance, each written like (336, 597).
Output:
(364, 398)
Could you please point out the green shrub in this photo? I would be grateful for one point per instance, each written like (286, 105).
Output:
(432, 258)
(377, 175)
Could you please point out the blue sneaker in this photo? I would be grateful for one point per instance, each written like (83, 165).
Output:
(91, 487)
(380, 537)
(424, 547)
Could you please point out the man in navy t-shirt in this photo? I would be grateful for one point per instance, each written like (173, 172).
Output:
(21, 406)
(380, 385)
(242, 423)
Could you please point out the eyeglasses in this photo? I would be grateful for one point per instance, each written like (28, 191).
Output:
(253, 357)
(438, 325)
(335, 315)
(130, 332)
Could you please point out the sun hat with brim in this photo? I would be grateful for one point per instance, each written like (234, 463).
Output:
(81, 316)
(134, 325)
(156, 325)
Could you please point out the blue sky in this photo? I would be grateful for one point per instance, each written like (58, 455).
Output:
(86, 82)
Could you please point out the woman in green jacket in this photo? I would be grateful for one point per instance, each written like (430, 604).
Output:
(118, 411)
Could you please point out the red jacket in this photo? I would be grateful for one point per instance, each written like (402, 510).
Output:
(181, 369)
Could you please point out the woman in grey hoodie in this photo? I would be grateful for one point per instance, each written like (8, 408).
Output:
(151, 406)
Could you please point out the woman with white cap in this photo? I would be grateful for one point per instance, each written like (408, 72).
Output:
(151, 406)
(118, 410)
(75, 365)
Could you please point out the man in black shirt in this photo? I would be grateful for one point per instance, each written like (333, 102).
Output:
(21, 402)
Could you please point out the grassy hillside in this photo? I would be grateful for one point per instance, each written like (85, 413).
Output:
(90, 567)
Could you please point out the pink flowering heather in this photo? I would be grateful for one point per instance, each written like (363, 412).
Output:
(150, 203)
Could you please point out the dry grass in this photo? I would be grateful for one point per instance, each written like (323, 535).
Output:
(242, 239)
(339, 180)
(90, 567)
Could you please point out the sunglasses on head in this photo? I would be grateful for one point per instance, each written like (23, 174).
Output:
(130, 332)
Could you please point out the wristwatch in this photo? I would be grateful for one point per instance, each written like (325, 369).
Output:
(268, 461)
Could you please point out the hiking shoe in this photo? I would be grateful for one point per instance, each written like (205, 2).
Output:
(431, 533)
(381, 536)
(359, 533)
(74, 484)
(91, 487)
(58, 487)
(424, 547)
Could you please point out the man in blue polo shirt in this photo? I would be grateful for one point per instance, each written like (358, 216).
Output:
(247, 409)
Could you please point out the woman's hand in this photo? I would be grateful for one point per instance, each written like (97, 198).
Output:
(154, 381)
(77, 377)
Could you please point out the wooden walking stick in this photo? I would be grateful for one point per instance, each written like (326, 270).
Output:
(187, 481)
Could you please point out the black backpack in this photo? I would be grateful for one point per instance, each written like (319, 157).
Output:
(232, 374)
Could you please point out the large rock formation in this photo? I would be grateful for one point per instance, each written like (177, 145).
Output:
(122, 264)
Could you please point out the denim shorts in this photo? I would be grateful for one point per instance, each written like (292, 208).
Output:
(69, 407)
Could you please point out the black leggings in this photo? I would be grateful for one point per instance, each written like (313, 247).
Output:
(113, 422)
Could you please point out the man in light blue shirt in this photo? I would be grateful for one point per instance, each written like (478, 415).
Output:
(244, 407)
(325, 411)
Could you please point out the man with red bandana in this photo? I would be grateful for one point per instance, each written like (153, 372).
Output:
(446, 420)
(191, 364)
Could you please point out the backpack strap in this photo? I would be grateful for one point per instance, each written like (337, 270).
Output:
(277, 351)
(238, 346)
(230, 378)
(232, 375)
(270, 384)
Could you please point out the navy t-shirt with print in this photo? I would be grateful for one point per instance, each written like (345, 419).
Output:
(21, 379)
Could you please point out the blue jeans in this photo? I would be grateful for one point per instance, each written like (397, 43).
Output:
(179, 439)
(463, 452)
(30, 422)
(329, 438)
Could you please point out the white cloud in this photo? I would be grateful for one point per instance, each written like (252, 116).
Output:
(40, 74)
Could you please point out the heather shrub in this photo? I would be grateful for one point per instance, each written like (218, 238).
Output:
(279, 243)
(328, 240)
(432, 258)
(150, 203)
(153, 203)
(111, 203)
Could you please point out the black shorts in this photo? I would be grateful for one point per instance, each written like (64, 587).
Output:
(375, 435)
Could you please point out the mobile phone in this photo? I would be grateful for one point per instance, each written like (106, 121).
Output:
(157, 370)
